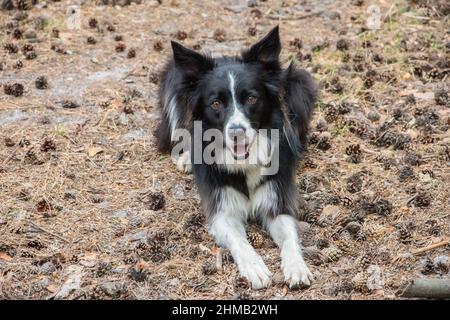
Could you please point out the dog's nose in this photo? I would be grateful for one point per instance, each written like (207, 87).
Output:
(236, 131)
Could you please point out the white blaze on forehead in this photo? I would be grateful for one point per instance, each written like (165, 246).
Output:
(231, 77)
(237, 117)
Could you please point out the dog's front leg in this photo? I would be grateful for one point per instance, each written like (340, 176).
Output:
(283, 231)
(229, 232)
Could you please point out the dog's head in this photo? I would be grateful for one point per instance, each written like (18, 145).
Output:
(235, 95)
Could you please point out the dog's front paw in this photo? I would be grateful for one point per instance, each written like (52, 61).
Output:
(184, 162)
(296, 273)
(254, 269)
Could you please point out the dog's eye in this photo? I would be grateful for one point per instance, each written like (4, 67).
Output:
(251, 100)
(215, 104)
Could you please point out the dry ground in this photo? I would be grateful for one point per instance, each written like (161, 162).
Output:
(89, 209)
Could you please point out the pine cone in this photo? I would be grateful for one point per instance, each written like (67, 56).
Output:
(208, 268)
(405, 235)
(256, 240)
(346, 247)
(359, 281)
(422, 199)
(220, 35)
(442, 98)
(354, 183)
(332, 253)
(15, 89)
(30, 55)
(23, 4)
(241, 283)
(11, 48)
(364, 260)
(41, 83)
(48, 145)
(331, 113)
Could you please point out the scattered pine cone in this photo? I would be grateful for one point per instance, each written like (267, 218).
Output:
(18, 64)
(110, 28)
(365, 260)
(405, 173)
(27, 48)
(48, 145)
(118, 37)
(128, 109)
(91, 40)
(68, 104)
(120, 47)
(220, 35)
(422, 200)
(181, 35)
(309, 163)
(9, 142)
(11, 48)
(131, 53)
(252, 31)
(256, 240)
(297, 44)
(332, 253)
(23, 4)
(31, 55)
(158, 45)
(55, 33)
(44, 206)
(427, 139)
(342, 45)
(154, 200)
(354, 183)
(153, 77)
(17, 34)
(354, 151)
(442, 98)
(405, 235)
(208, 268)
(359, 282)
(93, 23)
(137, 274)
(413, 159)
(334, 86)
(15, 89)
(331, 113)
(41, 83)
(241, 283)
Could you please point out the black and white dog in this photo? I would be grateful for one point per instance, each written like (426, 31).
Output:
(241, 97)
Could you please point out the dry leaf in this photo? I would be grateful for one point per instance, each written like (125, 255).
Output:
(4, 256)
(52, 288)
(93, 151)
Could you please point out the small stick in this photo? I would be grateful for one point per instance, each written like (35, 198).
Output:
(10, 156)
(369, 151)
(46, 231)
(432, 246)
(427, 288)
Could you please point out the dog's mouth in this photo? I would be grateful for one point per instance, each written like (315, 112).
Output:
(240, 151)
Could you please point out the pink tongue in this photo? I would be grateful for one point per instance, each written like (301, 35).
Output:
(240, 149)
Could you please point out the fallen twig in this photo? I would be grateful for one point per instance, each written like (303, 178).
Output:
(432, 246)
(427, 288)
(46, 231)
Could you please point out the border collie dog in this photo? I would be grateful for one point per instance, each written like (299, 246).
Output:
(241, 97)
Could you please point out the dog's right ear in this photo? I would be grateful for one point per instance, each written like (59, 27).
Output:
(191, 62)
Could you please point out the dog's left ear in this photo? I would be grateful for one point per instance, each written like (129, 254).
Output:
(189, 61)
(266, 51)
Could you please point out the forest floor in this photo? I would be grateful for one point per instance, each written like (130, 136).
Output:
(89, 208)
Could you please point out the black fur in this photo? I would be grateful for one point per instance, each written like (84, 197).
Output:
(285, 101)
